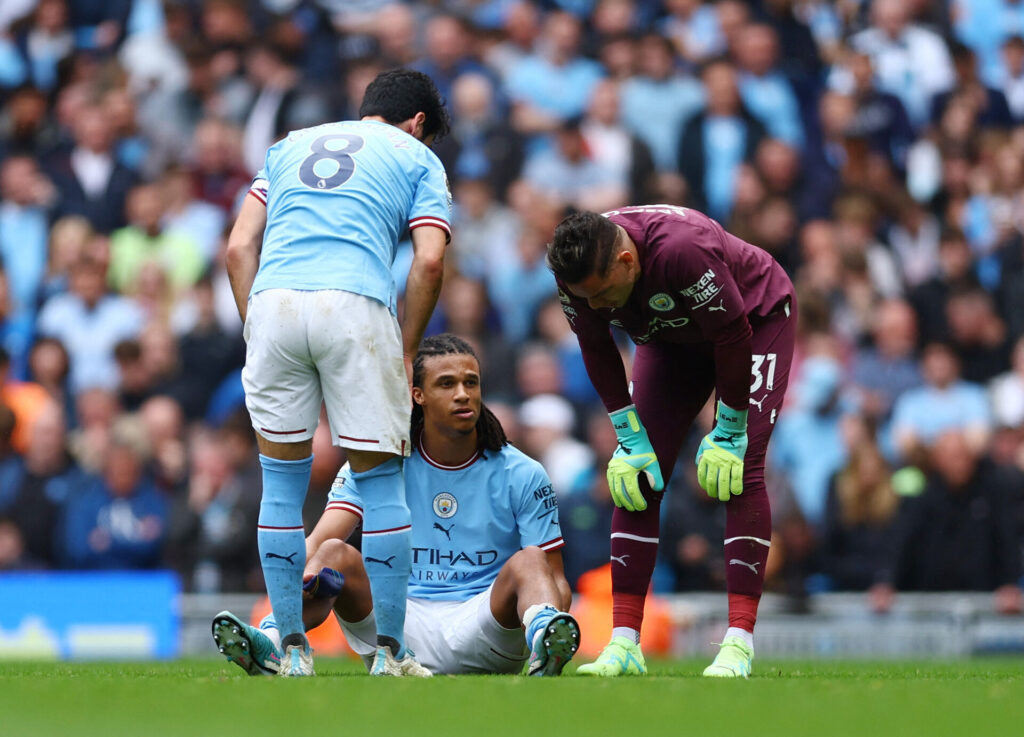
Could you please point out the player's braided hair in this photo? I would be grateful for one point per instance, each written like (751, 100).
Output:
(490, 435)
(582, 246)
(399, 94)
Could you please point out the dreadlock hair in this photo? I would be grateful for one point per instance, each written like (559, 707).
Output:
(490, 435)
(583, 245)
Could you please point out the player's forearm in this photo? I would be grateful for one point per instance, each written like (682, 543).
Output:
(732, 373)
(243, 252)
(334, 524)
(422, 288)
(607, 374)
(242, 265)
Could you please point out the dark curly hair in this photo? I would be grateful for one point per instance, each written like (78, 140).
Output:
(490, 435)
(582, 246)
(399, 94)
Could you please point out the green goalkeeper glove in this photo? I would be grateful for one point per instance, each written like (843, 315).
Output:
(633, 457)
(720, 455)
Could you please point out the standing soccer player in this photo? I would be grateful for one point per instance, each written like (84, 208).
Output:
(707, 311)
(319, 306)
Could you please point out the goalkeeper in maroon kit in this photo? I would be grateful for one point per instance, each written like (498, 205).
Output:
(707, 311)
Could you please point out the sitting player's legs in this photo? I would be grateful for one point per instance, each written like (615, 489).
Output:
(357, 347)
(531, 589)
(748, 526)
(282, 394)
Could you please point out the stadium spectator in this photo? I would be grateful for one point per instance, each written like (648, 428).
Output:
(547, 423)
(468, 315)
(519, 280)
(144, 240)
(572, 172)
(119, 520)
(860, 510)
(1007, 391)
(25, 197)
(889, 367)
(693, 27)
(911, 61)
(658, 99)
(914, 236)
(89, 179)
(615, 148)
(817, 413)
(945, 402)
(89, 323)
(46, 479)
(447, 53)
(484, 226)
(765, 90)
(1012, 77)
(977, 334)
(716, 140)
(213, 525)
(186, 214)
(991, 109)
(553, 83)
(15, 331)
(279, 101)
(959, 534)
(482, 145)
(955, 273)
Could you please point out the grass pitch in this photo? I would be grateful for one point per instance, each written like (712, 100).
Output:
(791, 698)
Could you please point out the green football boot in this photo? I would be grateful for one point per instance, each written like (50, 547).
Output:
(620, 657)
(734, 660)
(245, 646)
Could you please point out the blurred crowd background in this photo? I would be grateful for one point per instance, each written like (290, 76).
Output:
(874, 147)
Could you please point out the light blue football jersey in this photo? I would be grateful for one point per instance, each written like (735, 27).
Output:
(338, 198)
(467, 521)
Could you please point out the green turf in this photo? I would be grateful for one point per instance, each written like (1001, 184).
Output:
(211, 698)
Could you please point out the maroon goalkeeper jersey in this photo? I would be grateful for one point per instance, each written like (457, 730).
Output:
(698, 284)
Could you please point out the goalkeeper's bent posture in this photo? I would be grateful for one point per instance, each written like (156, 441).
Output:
(487, 560)
(707, 311)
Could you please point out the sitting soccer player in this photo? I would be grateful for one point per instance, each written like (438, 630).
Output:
(485, 541)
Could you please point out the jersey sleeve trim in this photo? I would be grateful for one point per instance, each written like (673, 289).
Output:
(429, 220)
(258, 189)
(554, 544)
(345, 507)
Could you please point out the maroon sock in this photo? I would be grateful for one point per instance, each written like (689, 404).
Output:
(743, 611)
(634, 544)
(748, 534)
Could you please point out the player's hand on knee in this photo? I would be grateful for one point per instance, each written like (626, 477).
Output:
(633, 456)
(720, 455)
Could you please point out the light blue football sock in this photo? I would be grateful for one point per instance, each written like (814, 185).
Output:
(387, 552)
(282, 538)
(539, 615)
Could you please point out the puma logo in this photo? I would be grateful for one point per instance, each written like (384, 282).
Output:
(382, 562)
(738, 562)
(720, 308)
(447, 532)
(758, 402)
(620, 559)
(282, 557)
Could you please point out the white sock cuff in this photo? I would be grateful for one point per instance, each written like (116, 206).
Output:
(747, 637)
(532, 611)
(628, 632)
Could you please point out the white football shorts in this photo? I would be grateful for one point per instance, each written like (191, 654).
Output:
(341, 347)
(449, 637)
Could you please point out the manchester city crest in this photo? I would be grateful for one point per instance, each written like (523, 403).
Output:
(661, 302)
(445, 505)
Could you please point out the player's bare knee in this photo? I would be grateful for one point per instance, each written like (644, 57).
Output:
(336, 554)
(528, 561)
